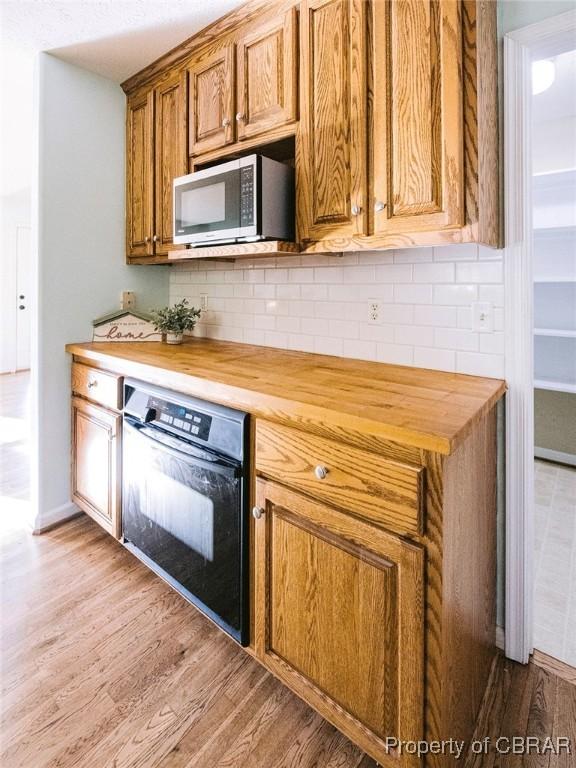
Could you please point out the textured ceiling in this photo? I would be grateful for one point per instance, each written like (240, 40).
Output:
(114, 38)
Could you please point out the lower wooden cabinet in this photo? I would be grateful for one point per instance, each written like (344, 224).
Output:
(96, 453)
(339, 617)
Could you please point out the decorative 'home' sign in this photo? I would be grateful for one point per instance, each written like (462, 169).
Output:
(125, 325)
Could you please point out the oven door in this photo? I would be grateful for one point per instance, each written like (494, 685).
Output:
(207, 205)
(183, 515)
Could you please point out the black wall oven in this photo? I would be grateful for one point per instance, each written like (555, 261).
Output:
(185, 498)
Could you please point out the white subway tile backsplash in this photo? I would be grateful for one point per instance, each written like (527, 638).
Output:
(437, 359)
(479, 272)
(459, 252)
(394, 273)
(479, 364)
(320, 303)
(443, 317)
(395, 354)
(409, 293)
(434, 273)
(455, 295)
(412, 255)
(455, 338)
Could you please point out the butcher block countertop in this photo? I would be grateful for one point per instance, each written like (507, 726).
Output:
(425, 409)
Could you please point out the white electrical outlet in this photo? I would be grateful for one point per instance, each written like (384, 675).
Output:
(482, 316)
(204, 301)
(128, 300)
(373, 311)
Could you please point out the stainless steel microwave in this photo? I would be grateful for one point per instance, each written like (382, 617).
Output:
(240, 201)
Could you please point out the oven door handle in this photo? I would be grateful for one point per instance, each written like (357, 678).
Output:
(217, 465)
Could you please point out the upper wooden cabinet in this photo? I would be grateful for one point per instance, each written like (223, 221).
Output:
(393, 113)
(417, 117)
(331, 153)
(211, 116)
(156, 154)
(139, 174)
(267, 77)
(238, 96)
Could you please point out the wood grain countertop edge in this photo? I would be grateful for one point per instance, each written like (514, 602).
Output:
(281, 409)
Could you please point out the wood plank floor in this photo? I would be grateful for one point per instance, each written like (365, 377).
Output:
(105, 665)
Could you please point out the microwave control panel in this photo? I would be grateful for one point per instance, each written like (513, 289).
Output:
(247, 196)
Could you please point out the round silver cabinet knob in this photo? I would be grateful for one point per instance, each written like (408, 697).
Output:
(379, 206)
(146, 239)
(240, 116)
(321, 472)
(356, 210)
(257, 512)
(156, 238)
(225, 122)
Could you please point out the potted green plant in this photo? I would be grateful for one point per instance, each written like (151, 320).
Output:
(173, 321)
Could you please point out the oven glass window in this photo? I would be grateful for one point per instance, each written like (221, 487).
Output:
(185, 518)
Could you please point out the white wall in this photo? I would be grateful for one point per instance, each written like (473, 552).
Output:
(80, 238)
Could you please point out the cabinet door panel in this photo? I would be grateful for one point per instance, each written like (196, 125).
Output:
(417, 125)
(96, 463)
(211, 101)
(267, 77)
(170, 155)
(331, 161)
(339, 616)
(140, 169)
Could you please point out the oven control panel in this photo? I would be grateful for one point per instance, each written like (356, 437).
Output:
(186, 420)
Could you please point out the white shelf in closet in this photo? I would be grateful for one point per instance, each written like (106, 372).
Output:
(555, 386)
(564, 334)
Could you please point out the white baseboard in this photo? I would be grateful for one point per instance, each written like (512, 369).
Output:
(52, 517)
(557, 456)
(500, 638)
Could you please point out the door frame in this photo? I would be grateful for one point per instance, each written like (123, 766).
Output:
(546, 38)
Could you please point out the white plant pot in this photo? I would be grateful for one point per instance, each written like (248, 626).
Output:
(174, 338)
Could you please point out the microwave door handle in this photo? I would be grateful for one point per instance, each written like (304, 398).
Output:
(218, 466)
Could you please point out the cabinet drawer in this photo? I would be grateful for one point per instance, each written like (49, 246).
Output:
(382, 491)
(98, 386)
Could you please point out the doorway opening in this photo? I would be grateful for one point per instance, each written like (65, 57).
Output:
(554, 271)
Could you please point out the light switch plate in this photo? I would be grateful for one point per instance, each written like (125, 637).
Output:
(482, 316)
(128, 300)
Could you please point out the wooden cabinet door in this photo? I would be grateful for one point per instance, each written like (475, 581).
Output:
(96, 435)
(211, 115)
(267, 77)
(140, 174)
(171, 159)
(339, 617)
(331, 157)
(418, 179)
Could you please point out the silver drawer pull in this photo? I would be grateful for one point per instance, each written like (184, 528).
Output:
(257, 512)
(320, 472)
(92, 383)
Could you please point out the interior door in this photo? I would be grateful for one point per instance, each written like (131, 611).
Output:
(140, 174)
(211, 101)
(331, 159)
(23, 297)
(171, 159)
(339, 616)
(417, 116)
(267, 73)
